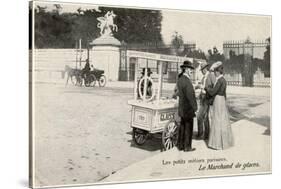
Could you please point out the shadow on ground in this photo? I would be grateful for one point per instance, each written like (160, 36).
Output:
(264, 121)
(153, 142)
(234, 115)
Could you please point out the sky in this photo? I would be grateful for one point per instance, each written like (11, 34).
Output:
(67, 7)
(206, 29)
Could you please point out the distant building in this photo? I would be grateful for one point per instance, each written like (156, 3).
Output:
(255, 49)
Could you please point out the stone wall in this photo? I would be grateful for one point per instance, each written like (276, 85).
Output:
(56, 59)
(49, 64)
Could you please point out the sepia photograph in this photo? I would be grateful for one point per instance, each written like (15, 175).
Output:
(130, 94)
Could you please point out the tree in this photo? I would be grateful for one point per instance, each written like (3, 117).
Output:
(84, 26)
(266, 59)
(196, 53)
(137, 25)
(60, 30)
(214, 55)
(235, 63)
(53, 30)
(177, 42)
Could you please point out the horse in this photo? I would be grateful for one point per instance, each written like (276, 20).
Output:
(72, 73)
(106, 22)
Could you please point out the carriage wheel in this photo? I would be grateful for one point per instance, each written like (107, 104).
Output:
(79, 80)
(139, 136)
(102, 81)
(90, 81)
(170, 135)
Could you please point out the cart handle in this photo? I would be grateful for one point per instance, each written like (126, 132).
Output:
(142, 96)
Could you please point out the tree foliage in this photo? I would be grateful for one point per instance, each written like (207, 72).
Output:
(235, 63)
(196, 53)
(182, 49)
(137, 25)
(266, 58)
(177, 41)
(54, 29)
(214, 55)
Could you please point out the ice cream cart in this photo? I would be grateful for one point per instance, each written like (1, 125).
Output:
(151, 111)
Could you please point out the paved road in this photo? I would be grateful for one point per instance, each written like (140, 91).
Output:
(82, 135)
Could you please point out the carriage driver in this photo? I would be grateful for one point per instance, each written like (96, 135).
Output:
(86, 69)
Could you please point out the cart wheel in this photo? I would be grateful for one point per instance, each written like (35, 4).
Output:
(102, 81)
(139, 136)
(170, 135)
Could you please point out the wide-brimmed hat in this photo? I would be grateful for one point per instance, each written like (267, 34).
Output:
(148, 71)
(187, 64)
(204, 65)
(216, 65)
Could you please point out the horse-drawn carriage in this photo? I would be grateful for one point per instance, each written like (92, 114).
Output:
(78, 77)
(153, 112)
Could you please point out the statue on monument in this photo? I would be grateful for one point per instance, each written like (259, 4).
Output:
(106, 24)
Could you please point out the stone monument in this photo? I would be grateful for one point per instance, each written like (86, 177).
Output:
(105, 52)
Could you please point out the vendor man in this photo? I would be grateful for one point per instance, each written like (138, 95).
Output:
(207, 80)
(187, 107)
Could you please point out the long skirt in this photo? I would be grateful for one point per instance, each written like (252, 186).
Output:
(220, 136)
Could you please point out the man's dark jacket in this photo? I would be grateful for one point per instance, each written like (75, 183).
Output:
(187, 100)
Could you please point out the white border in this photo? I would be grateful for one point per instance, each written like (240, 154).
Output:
(14, 91)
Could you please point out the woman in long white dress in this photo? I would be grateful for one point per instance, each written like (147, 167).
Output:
(220, 136)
